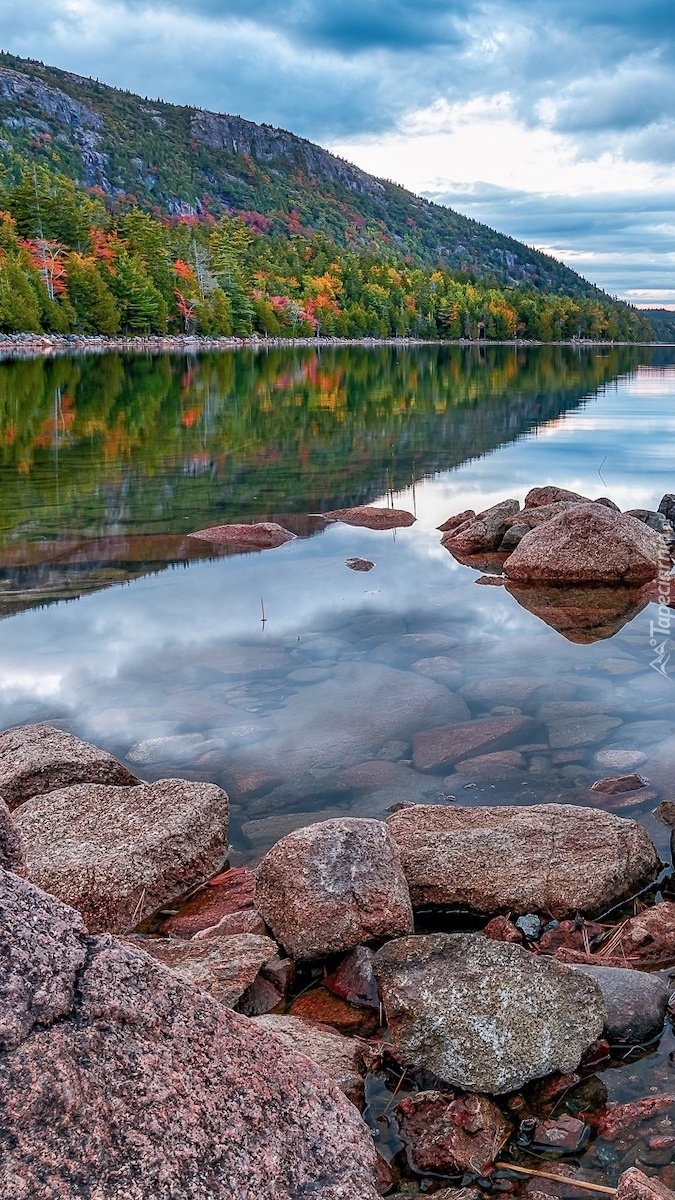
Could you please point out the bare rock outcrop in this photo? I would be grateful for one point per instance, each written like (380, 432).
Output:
(118, 1078)
(118, 854)
(35, 759)
(559, 859)
(328, 887)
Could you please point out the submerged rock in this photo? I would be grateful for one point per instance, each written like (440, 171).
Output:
(114, 1069)
(35, 759)
(118, 854)
(452, 1136)
(434, 749)
(369, 517)
(328, 887)
(264, 535)
(485, 1016)
(615, 784)
(587, 544)
(559, 859)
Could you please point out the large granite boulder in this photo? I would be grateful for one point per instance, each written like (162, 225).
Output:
(117, 1078)
(118, 854)
(539, 497)
(560, 859)
(328, 887)
(587, 543)
(485, 1016)
(38, 758)
(12, 856)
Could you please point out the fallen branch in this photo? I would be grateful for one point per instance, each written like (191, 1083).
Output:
(579, 1183)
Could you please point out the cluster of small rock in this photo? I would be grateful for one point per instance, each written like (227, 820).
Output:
(166, 1063)
(561, 537)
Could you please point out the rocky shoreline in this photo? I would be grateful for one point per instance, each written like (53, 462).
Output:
(172, 1026)
(28, 345)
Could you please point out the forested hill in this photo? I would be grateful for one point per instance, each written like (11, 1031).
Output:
(122, 215)
(186, 161)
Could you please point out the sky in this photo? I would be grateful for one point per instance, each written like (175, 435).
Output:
(550, 120)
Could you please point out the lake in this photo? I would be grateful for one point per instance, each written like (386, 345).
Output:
(293, 681)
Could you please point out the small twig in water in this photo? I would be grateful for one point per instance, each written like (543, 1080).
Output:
(262, 609)
(578, 1183)
(600, 470)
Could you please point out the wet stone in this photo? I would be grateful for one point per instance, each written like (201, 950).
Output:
(321, 1005)
(354, 979)
(619, 760)
(452, 1136)
(580, 732)
(565, 1134)
(225, 894)
(437, 748)
(635, 1003)
(618, 783)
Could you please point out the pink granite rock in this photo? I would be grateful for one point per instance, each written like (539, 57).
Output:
(331, 886)
(587, 544)
(224, 966)
(369, 517)
(264, 535)
(340, 1057)
(550, 494)
(119, 854)
(635, 1185)
(38, 758)
(559, 859)
(117, 1075)
(229, 893)
(484, 532)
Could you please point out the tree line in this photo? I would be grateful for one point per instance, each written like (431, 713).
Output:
(72, 263)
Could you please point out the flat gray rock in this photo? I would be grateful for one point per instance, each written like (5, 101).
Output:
(331, 886)
(120, 1079)
(118, 854)
(35, 759)
(485, 1016)
(559, 859)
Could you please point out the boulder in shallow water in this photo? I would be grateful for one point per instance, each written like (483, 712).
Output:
(264, 535)
(328, 887)
(485, 1016)
(588, 544)
(35, 759)
(560, 859)
(367, 516)
(114, 1069)
(484, 532)
(118, 854)
(549, 494)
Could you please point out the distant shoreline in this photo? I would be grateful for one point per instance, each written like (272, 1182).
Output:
(27, 345)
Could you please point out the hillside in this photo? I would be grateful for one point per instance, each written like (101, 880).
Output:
(123, 215)
(186, 161)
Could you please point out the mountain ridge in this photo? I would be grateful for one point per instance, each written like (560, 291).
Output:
(185, 160)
